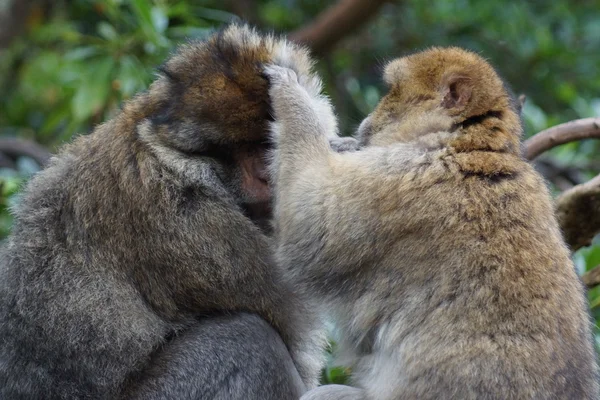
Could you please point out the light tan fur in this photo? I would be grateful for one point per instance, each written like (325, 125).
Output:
(435, 247)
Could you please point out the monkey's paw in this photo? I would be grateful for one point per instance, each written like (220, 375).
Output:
(285, 87)
(294, 109)
(289, 100)
(343, 144)
(278, 75)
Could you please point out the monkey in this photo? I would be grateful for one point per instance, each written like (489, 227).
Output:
(434, 247)
(140, 264)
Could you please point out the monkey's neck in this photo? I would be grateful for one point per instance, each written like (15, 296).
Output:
(494, 131)
(487, 145)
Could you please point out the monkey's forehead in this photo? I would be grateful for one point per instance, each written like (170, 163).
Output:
(237, 44)
(219, 82)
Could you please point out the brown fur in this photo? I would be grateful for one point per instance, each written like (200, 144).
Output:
(435, 248)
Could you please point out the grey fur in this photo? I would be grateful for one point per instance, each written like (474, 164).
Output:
(344, 144)
(131, 241)
(335, 392)
(252, 362)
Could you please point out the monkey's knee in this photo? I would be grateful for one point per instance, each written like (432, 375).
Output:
(229, 357)
(335, 392)
(262, 365)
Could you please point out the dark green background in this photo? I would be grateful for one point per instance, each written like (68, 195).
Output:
(76, 61)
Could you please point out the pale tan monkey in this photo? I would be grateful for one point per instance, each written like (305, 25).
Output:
(435, 247)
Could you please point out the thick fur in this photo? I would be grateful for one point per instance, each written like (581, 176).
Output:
(139, 230)
(435, 247)
(253, 363)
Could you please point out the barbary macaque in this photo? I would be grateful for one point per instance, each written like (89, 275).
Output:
(434, 247)
(140, 264)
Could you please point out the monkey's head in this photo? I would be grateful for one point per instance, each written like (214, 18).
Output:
(211, 103)
(440, 89)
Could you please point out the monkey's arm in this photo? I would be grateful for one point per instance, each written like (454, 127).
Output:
(327, 203)
(305, 128)
(343, 144)
(251, 360)
(302, 124)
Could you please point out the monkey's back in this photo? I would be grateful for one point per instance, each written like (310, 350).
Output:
(493, 303)
(72, 325)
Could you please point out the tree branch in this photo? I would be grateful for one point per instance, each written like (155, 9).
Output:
(335, 23)
(14, 147)
(13, 19)
(592, 277)
(578, 208)
(579, 129)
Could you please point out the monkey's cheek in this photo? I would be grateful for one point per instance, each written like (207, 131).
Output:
(258, 191)
(257, 201)
(260, 171)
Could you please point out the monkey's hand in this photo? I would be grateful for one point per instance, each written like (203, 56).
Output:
(298, 106)
(291, 102)
(300, 140)
(344, 144)
(285, 80)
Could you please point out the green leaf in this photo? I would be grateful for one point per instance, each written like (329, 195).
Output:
(143, 12)
(595, 303)
(81, 53)
(339, 375)
(107, 31)
(132, 75)
(534, 116)
(93, 91)
(57, 117)
(149, 25)
(592, 256)
(10, 182)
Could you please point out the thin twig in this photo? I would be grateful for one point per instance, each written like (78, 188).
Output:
(15, 147)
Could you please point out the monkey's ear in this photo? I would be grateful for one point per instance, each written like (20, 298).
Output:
(457, 91)
(521, 103)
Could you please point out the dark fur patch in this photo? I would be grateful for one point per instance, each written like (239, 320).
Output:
(493, 178)
(478, 119)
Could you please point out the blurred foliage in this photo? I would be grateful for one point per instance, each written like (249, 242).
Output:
(79, 59)
(73, 70)
(9, 186)
(333, 373)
